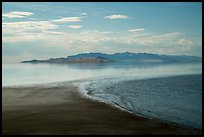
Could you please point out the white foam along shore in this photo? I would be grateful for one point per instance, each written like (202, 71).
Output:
(85, 89)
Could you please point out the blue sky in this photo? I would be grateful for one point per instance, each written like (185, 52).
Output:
(44, 30)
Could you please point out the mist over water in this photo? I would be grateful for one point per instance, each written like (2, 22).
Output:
(21, 74)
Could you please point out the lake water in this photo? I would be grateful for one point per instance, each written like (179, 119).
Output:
(168, 92)
(21, 74)
(172, 99)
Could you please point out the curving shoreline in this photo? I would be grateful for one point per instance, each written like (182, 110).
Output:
(61, 109)
(100, 91)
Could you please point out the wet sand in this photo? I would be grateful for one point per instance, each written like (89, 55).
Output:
(61, 110)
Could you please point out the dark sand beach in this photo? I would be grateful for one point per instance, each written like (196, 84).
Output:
(45, 110)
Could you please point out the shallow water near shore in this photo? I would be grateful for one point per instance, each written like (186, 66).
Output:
(175, 99)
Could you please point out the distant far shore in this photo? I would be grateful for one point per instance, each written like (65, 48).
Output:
(119, 57)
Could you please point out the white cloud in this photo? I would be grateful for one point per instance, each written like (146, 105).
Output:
(68, 19)
(83, 14)
(151, 39)
(54, 32)
(22, 27)
(75, 27)
(96, 41)
(20, 38)
(185, 42)
(136, 30)
(27, 31)
(116, 17)
(45, 32)
(17, 14)
(106, 32)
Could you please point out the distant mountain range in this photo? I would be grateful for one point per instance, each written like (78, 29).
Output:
(120, 57)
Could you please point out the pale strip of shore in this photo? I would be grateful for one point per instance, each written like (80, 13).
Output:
(62, 110)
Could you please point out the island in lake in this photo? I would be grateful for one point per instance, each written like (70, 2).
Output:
(119, 57)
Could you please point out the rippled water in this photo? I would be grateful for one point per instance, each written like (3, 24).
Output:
(174, 99)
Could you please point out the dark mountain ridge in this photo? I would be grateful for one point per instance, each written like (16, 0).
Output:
(119, 57)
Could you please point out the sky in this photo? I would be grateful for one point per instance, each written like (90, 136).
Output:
(43, 30)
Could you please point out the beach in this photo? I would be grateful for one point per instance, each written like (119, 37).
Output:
(62, 110)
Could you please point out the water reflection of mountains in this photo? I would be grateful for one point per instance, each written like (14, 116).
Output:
(119, 65)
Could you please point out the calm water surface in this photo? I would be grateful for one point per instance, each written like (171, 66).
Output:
(21, 74)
